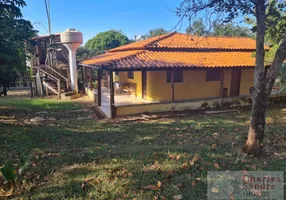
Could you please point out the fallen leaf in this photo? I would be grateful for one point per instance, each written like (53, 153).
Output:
(180, 185)
(130, 174)
(178, 197)
(195, 159)
(214, 190)
(169, 173)
(46, 178)
(185, 165)
(151, 187)
(216, 165)
(194, 183)
(178, 157)
(215, 135)
(159, 184)
(214, 145)
(173, 157)
(228, 154)
(198, 179)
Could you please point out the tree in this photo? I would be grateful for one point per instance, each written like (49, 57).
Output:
(225, 11)
(229, 29)
(84, 53)
(106, 40)
(155, 32)
(16, 34)
(197, 28)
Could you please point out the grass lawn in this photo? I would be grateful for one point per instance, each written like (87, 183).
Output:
(77, 158)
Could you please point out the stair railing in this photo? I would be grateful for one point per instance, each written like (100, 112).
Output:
(59, 74)
(56, 79)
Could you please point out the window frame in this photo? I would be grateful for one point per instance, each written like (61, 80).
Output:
(178, 76)
(213, 74)
(116, 73)
(130, 74)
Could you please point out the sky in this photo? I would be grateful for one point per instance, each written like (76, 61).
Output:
(132, 17)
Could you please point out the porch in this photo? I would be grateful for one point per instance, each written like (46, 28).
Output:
(119, 101)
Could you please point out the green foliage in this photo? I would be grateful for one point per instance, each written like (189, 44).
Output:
(8, 172)
(16, 34)
(107, 40)
(282, 79)
(197, 28)
(275, 24)
(84, 53)
(155, 32)
(229, 29)
(96, 159)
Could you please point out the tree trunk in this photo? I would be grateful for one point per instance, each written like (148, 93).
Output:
(4, 89)
(263, 84)
(259, 95)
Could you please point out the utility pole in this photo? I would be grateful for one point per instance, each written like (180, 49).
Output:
(47, 5)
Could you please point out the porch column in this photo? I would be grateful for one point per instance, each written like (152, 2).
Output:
(173, 85)
(99, 87)
(90, 78)
(82, 75)
(85, 75)
(111, 89)
(221, 82)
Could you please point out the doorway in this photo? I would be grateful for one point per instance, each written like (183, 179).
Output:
(235, 82)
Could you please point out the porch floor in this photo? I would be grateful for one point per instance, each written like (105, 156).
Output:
(119, 100)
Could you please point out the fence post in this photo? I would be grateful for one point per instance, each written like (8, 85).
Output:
(59, 89)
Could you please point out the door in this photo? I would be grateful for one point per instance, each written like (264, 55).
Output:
(235, 82)
(144, 84)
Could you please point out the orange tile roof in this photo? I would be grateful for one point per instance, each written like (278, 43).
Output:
(162, 59)
(179, 50)
(184, 41)
(109, 57)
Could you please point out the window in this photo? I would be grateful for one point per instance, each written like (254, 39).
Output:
(116, 73)
(212, 74)
(130, 74)
(178, 76)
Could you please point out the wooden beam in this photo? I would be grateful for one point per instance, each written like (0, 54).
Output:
(111, 88)
(82, 75)
(173, 85)
(99, 87)
(222, 83)
(85, 75)
(90, 78)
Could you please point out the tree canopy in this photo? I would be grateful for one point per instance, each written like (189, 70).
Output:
(155, 32)
(84, 53)
(267, 20)
(107, 40)
(228, 29)
(16, 34)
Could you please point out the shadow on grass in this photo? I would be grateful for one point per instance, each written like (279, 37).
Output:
(97, 160)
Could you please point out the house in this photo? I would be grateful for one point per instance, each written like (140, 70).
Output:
(173, 71)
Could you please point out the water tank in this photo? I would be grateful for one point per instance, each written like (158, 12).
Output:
(71, 36)
(72, 39)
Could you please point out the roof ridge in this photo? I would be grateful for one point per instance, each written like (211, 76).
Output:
(159, 39)
(216, 36)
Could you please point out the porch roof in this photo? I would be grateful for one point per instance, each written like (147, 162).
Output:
(179, 50)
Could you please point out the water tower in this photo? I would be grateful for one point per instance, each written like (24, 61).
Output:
(72, 39)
